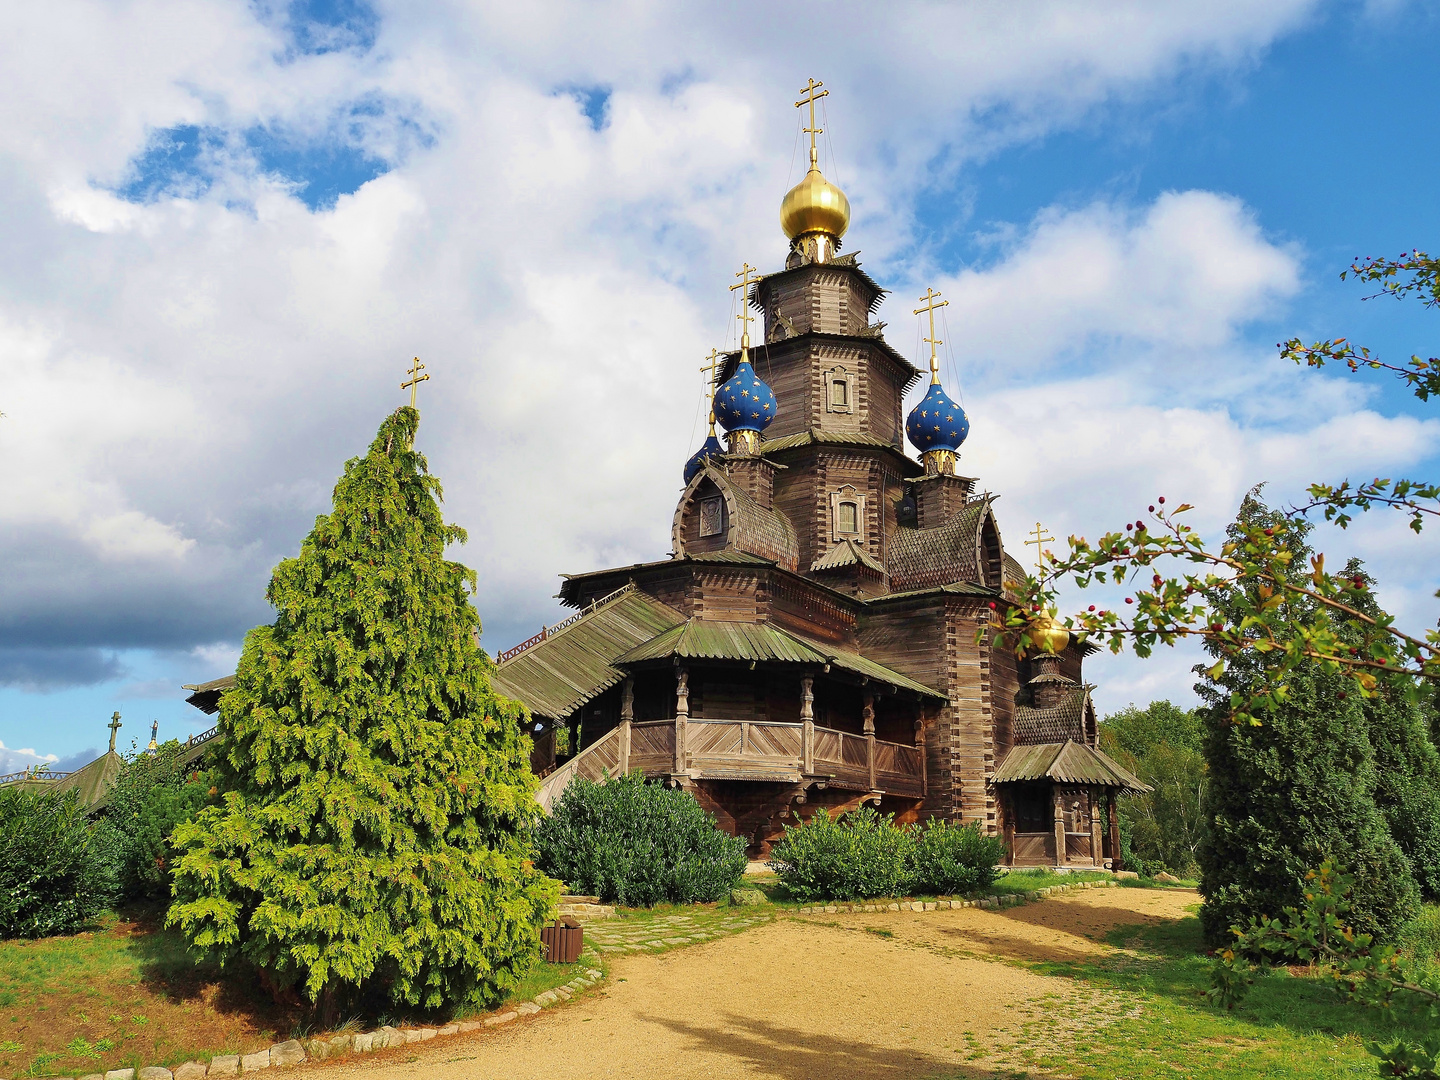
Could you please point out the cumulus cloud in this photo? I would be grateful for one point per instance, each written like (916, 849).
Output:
(545, 203)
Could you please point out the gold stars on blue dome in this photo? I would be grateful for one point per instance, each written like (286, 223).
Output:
(744, 403)
(937, 423)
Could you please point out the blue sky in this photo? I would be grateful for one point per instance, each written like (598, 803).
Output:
(237, 228)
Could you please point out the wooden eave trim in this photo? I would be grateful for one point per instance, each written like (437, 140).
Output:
(877, 292)
(910, 372)
(835, 444)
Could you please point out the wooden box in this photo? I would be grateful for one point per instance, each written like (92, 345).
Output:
(563, 941)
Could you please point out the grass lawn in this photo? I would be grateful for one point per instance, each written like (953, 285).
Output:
(1159, 1024)
(126, 994)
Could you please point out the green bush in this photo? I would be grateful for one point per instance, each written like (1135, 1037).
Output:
(950, 859)
(637, 844)
(52, 879)
(863, 854)
(1419, 939)
(153, 793)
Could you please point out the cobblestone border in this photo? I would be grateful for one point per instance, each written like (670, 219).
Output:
(1007, 900)
(296, 1052)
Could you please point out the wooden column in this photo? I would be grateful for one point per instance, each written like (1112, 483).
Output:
(807, 721)
(622, 767)
(870, 753)
(868, 713)
(1059, 800)
(682, 715)
(627, 700)
(1097, 850)
(1116, 862)
(920, 745)
(1007, 808)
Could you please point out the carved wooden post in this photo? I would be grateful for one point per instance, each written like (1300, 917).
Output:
(1059, 799)
(868, 712)
(682, 714)
(870, 753)
(622, 767)
(807, 721)
(627, 700)
(1007, 808)
(920, 745)
(1116, 862)
(1097, 851)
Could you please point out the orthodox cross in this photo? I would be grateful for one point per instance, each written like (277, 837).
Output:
(809, 97)
(415, 379)
(745, 317)
(114, 727)
(709, 370)
(930, 305)
(1041, 538)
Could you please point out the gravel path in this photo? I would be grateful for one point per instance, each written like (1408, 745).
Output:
(874, 995)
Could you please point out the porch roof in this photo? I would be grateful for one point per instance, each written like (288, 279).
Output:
(698, 639)
(1066, 763)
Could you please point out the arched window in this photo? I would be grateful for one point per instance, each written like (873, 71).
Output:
(847, 513)
(849, 518)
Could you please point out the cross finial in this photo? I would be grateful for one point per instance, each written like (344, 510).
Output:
(1041, 537)
(114, 727)
(745, 317)
(808, 96)
(415, 379)
(930, 305)
(709, 369)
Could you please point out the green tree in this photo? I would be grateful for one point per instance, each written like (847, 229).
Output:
(1160, 744)
(153, 793)
(52, 874)
(373, 833)
(1299, 788)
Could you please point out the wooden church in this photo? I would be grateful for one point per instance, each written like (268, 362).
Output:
(819, 634)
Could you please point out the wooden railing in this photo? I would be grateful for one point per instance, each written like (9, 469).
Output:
(547, 632)
(33, 774)
(756, 750)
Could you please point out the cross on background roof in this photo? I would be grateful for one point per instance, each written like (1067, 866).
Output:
(930, 305)
(745, 317)
(114, 727)
(415, 379)
(1041, 538)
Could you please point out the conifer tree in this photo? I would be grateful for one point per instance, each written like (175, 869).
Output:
(1287, 794)
(373, 830)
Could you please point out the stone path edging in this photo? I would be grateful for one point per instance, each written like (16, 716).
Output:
(1007, 900)
(295, 1052)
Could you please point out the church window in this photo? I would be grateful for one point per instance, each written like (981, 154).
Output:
(847, 512)
(839, 390)
(712, 515)
(849, 518)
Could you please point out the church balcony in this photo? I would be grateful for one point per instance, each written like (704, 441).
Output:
(749, 750)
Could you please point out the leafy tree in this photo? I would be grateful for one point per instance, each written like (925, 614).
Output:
(373, 832)
(52, 877)
(1161, 743)
(153, 793)
(1286, 794)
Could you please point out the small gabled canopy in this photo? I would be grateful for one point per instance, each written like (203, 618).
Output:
(575, 664)
(847, 553)
(697, 639)
(1066, 763)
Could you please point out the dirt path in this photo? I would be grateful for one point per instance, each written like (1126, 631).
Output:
(817, 997)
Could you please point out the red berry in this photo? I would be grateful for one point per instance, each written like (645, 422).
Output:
(992, 605)
(1129, 599)
(1152, 508)
(1092, 607)
(1162, 500)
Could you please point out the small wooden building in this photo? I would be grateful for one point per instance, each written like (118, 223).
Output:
(819, 634)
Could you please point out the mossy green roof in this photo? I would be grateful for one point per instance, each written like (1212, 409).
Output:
(1068, 762)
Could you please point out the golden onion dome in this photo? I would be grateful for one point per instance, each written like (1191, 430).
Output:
(1046, 635)
(815, 206)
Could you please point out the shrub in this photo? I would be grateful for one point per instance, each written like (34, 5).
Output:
(52, 879)
(638, 844)
(859, 854)
(373, 831)
(153, 793)
(948, 858)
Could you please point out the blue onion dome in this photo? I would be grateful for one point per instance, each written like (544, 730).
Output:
(697, 461)
(744, 403)
(937, 423)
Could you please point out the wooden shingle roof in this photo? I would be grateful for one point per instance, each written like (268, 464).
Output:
(1066, 762)
(556, 676)
(919, 558)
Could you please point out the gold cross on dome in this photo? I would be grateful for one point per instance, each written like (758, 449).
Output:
(745, 317)
(930, 305)
(415, 379)
(1041, 538)
(809, 97)
(709, 370)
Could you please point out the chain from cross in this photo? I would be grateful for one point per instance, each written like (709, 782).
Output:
(415, 379)
(715, 358)
(745, 317)
(809, 97)
(114, 727)
(1041, 538)
(930, 305)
